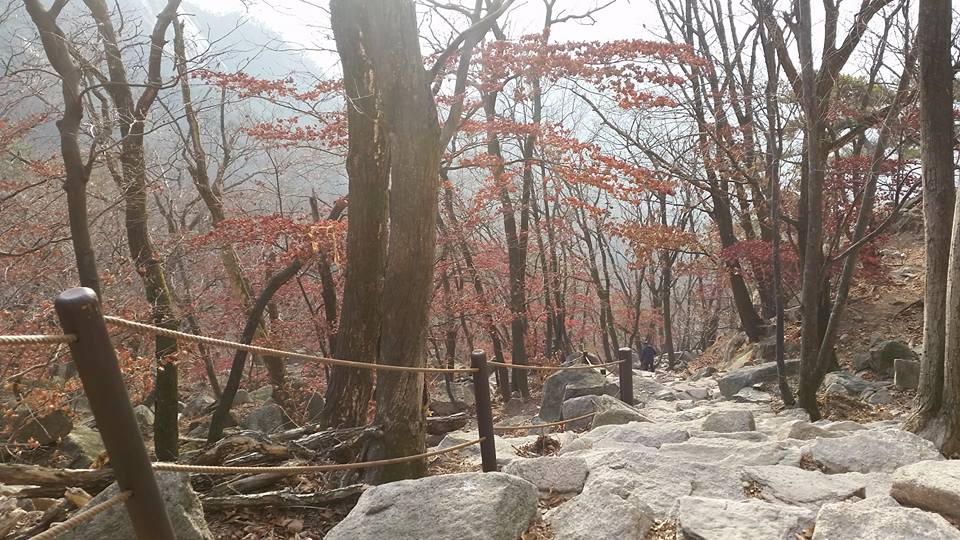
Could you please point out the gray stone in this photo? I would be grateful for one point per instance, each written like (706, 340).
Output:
(880, 397)
(697, 392)
(906, 373)
(804, 431)
(314, 407)
(716, 519)
(871, 451)
(617, 416)
(83, 445)
(732, 382)
(580, 406)
(752, 395)
(883, 354)
(198, 405)
(463, 398)
(479, 506)
(703, 373)
(605, 512)
(929, 485)
(506, 446)
(262, 394)
(242, 397)
(552, 475)
(590, 388)
(46, 429)
(268, 418)
(183, 508)
(635, 433)
(880, 517)
(851, 384)
(729, 421)
(861, 361)
(797, 487)
(144, 417)
(729, 452)
(554, 388)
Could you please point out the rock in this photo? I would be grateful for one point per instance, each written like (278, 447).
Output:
(551, 475)
(710, 519)
(929, 485)
(728, 452)
(144, 417)
(314, 407)
(702, 373)
(554, 388)
(883, 354)
(242, 397)
(506, 446)
(267, 418)
(451, 506)
(732, 382)
(797, 487)
(880, 397)
(183, 507)
(841, 426)
(861, 361)
(906, 373)
(83, 446)
(439, 425)
(617, 416)
(751, 395)
(880, 517)
(635, 433)
(262, 394)
(580, 406)
(198, 405)
(804, 431)
(463, 398)
(697, 392)
(46, 429)
(590, 388)
(871, 451)
(849, 383)
(729, 421)
(606, 512)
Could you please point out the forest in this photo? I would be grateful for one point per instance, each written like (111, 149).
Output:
(713, 185)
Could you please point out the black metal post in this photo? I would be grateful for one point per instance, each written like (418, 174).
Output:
(96, 362)
(625, 355)
(481, 390)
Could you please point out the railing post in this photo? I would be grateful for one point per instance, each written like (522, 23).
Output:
(625, 355)
(481, 390)
(96, 362)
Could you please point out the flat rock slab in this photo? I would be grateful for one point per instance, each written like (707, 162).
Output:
(880, 518)
(797, 487)
(929, 485)
(183, 508)
(733, 381)
(724, 451)
(871, 451)
(716, 519)
(729, 421)
(479, 506)
(635, 433)
(551, 475)
(606, 512)
(804, 431)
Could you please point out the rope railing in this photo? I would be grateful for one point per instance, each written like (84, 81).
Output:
(547, 425)
(24, 340)
(554, 368)
(305, 469)
(117, 321)
(82, 517)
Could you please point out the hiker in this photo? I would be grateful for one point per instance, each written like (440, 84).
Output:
(647, 356)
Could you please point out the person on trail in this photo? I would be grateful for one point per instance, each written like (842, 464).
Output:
(647, 356)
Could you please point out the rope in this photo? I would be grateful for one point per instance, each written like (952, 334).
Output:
(43, 339)
(303, 469)
(535, 426)
(275, 352)
(83, 517)
(554, 368)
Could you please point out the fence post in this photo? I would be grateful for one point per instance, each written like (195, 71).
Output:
(481, 390)
(96, 362)
(625, 355)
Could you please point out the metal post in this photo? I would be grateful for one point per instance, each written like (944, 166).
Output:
(96, 362)
(625, 355)
(481, 389)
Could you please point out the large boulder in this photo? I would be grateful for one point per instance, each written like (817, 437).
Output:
(606, 512)
(871, 451)
(183, 508)
(717, 519)
(798, 487)
(729, 421)
(929, 485)
(441, 402)
(82, 446)
(480, 506)
(732, 382)
(804, 431)
(590, 388)
(199, 405)
(906, 373)
(883, 354)
(268, 418)
(611, 410)
(552, 475)
(555, 387)
(880, 517)
(144, 417)
(843, 383)
(45, 429)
